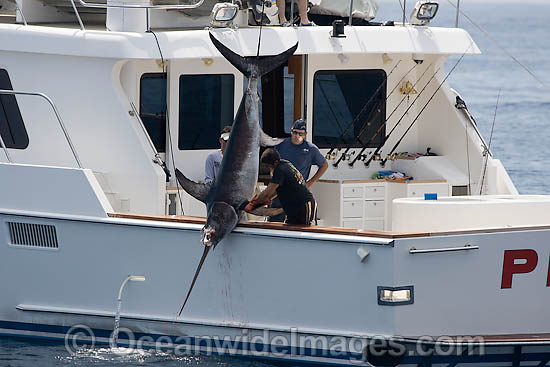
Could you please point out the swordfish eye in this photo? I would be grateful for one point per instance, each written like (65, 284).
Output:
(207, 233)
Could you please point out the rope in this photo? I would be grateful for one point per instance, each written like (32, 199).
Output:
(490, 140)
(499, 46)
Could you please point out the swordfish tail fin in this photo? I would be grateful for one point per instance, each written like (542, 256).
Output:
(252, 66)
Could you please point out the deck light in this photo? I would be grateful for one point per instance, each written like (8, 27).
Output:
(423, 12)
(393, 296)
(222, 15)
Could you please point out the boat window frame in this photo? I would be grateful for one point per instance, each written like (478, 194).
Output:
(12, 127)
(379, 121)
(160, 145)
(210, 142)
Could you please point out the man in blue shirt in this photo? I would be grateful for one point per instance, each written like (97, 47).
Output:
(302, 154)
(214, 159)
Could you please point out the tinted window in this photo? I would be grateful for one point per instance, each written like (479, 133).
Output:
(348, 108)
(152, 107)
(12, 129)
(206, 106)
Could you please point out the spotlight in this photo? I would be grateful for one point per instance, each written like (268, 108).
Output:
(423, 12)
(222, 15)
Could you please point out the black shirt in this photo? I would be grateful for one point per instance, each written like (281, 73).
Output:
(292, 190)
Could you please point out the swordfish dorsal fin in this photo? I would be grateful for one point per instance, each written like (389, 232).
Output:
(252, 66)
(197, 190)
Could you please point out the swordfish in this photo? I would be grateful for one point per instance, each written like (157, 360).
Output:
(236, 181)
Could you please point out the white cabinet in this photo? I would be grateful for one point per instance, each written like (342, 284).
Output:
(367, 204)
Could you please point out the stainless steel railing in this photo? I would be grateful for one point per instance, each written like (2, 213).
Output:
(141, 6)
(57, 115)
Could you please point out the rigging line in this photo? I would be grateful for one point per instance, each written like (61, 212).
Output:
(426, 105)
(165, 73)
(406, 111)
(365, 106)
(331, 110)
(488, 35)
(468, 161)
(489, 147)
(386, 120)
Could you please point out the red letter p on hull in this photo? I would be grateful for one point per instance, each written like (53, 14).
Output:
(509, 268)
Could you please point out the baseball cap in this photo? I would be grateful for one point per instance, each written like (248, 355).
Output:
(224, 135)
(299, 125)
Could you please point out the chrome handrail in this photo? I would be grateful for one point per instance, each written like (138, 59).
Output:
(17, 8)
(139, 6)
(5, 149)
(77, 16)
(14, 93)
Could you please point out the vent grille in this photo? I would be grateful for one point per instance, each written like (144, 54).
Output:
(33, 235)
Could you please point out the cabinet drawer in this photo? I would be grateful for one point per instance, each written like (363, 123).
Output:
(353, 191)
(374, 208)
(353, 209)
(374, 192)
(376, 224)
(418, 190)
(353, 223)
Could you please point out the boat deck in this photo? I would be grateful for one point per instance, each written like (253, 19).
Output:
(327, 230)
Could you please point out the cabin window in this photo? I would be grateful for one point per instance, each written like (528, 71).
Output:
(349, 106)
(12, 128)
(152, 107)
(206, 106)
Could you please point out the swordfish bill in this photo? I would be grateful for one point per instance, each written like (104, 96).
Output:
(235, 183)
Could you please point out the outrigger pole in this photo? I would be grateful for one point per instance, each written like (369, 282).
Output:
(423, 108)
(404, 114)
(391, 114)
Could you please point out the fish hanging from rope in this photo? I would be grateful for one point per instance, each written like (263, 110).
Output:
(234, 186)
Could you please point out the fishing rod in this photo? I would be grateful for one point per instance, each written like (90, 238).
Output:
(365, 147)
(375, 153)
(489, 147)
(365, 106)
(423, 108)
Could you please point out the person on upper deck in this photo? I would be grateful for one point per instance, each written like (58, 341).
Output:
(288, 184)
(302, 9)
(214, 159)
(302, 154)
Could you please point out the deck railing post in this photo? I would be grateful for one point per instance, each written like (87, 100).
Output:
(457, 12)
(350, 12)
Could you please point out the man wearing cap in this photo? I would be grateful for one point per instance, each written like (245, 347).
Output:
(302, 154)
(214, 159)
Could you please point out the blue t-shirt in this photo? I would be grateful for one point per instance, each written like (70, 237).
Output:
(212, 166)
(301, 156)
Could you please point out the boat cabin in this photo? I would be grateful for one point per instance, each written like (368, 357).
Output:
(132, 91)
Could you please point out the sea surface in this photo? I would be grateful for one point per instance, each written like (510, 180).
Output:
(521, 136)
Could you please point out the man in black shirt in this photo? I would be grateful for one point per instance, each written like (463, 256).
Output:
(288, 184)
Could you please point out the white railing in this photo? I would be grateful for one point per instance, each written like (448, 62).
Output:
(57, 115)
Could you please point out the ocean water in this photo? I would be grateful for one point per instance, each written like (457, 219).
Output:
(521, 138)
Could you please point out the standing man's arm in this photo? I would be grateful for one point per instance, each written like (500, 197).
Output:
(320, 172)
(320, 161)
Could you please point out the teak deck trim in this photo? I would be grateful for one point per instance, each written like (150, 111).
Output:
(327, 230)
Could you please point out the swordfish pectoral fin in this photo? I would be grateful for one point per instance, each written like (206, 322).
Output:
(268, 141)
(252, 65)
(197, 190)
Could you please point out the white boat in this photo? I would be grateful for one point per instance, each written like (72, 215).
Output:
(91, 110)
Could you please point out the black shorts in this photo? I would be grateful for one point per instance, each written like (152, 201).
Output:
(307, 215)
